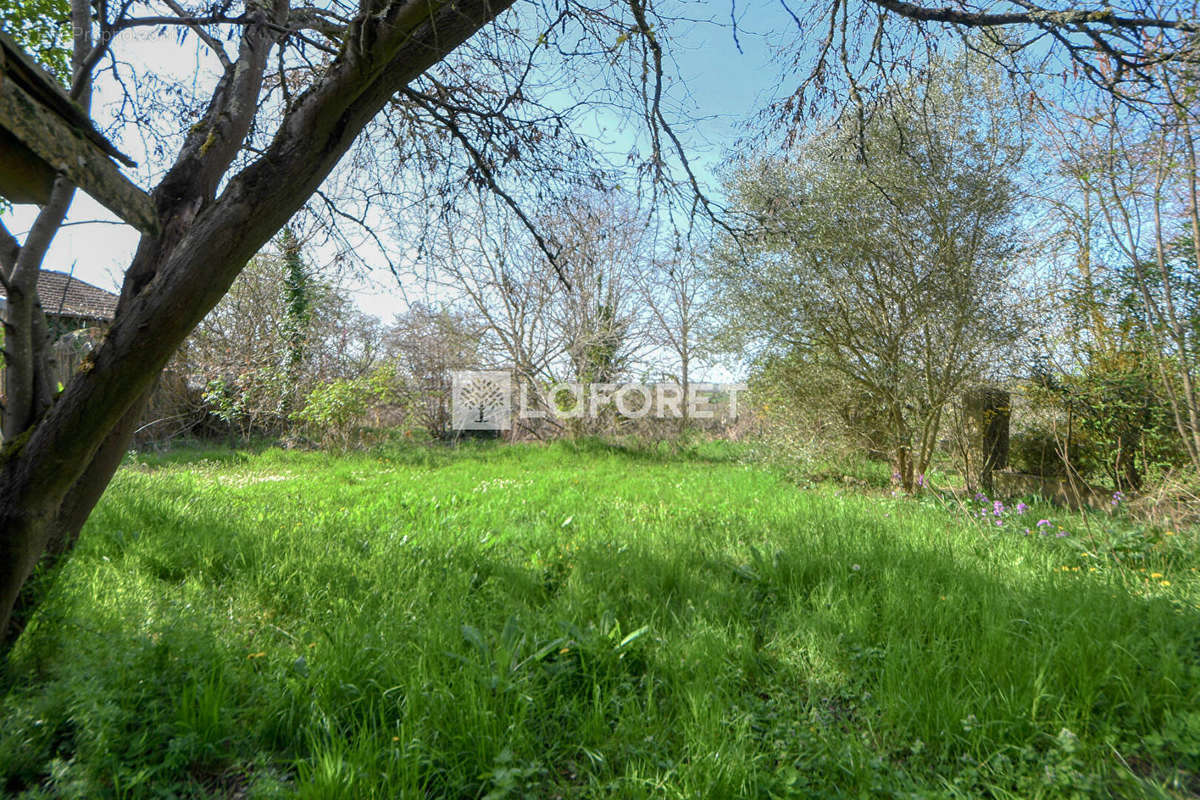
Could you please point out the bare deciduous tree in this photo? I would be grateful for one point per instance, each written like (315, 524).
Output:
(426, 344)
(602, 247)
(1138, 210)
(678, 292)
(495, 269)
(576, 317)
(272, 338)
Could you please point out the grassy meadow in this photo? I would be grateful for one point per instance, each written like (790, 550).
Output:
(578, 620)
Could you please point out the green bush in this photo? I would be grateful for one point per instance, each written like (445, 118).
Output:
(1037, 452)
(334, 413)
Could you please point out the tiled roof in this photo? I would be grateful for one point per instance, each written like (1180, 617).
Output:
(63, 295)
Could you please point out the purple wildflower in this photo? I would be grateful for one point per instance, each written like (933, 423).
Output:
(1043, 522)
(1022, 508)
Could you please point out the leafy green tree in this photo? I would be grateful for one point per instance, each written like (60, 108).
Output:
(880, 251)
(43, 28)
(334, 413)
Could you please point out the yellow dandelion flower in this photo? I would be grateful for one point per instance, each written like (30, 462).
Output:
(1164, 583)
(1155, 574)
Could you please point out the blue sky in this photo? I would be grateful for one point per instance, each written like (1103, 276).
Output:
(721, 87)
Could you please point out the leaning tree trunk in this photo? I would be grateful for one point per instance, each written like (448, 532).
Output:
(53, 472)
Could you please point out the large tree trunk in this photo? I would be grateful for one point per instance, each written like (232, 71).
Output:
(52, 473)
(71, 514)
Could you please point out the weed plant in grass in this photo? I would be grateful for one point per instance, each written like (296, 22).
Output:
(584, 621)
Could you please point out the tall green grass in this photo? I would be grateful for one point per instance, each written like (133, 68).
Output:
(584, 621)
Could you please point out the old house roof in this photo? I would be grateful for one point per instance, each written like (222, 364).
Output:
(64, 295)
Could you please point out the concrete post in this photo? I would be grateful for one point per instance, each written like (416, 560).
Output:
(986, 411)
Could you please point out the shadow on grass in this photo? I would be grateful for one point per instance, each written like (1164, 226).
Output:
(880, 650)
(837, 653)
